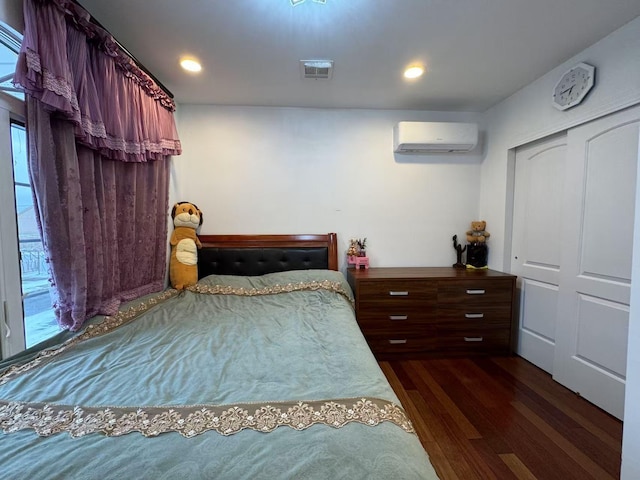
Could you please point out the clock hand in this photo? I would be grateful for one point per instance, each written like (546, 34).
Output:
(567, 90)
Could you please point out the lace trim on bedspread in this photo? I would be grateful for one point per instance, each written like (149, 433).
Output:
(335, 287)
(48, 419)
(108, 324)
(190, 421)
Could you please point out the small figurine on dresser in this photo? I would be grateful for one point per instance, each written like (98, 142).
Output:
(353, 248)
(357, 253)
(477, 251)
(459, 251)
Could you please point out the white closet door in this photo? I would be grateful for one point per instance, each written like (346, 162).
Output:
(596, 248)
(540, 170)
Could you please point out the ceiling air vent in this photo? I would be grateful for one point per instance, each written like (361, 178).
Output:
(316, 69)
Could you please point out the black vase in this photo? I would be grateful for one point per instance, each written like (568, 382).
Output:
(477, 254)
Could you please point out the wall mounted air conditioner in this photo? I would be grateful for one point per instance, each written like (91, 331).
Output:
(434, 137)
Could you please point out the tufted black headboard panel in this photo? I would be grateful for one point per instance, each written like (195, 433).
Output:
(258, 261)
(260, 254)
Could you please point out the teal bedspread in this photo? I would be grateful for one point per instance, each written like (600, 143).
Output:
(251, 341)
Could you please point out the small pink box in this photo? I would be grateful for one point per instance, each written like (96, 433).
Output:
(357, 261)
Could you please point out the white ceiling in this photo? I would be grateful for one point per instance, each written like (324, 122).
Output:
(477, 52)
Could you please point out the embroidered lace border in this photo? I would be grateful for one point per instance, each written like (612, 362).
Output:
(48, 419)
(190, 421)
(63, 88)
(328, 285)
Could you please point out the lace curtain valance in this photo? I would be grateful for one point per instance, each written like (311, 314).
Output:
(79, 72)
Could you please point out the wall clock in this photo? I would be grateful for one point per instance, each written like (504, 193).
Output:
(573, 86)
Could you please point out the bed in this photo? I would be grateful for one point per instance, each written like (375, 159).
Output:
(258, 371)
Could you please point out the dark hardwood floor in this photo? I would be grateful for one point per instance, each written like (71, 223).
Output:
(503, 418)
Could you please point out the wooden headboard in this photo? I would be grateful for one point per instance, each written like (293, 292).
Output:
(260, 254)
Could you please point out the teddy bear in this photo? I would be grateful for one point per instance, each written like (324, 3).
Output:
(183, 265)
(478, 234)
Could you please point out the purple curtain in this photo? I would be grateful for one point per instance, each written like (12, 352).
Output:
(100, 134)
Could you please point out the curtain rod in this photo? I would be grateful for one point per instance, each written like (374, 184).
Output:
(138, 63)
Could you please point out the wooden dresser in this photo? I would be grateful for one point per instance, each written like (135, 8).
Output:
(434, 310)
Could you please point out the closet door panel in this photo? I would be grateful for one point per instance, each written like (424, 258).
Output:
(539, 186)
(609, 198)
(597, 236)
(603, 344)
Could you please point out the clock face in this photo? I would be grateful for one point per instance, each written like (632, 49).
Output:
(573, 86)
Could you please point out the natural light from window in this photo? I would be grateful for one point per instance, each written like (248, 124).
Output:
(39, 317)
(9, 48)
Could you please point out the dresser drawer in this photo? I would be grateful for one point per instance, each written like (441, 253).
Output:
(480, 314)
(475, 292)
(396, 319)
(397, 291)
(398, 343)
(474, 340)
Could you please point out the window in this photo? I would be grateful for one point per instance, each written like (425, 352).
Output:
(39, 319)
(9, 48)
(26, 316)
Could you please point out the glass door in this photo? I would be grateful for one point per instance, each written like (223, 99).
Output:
(26, 313)
(39, 318)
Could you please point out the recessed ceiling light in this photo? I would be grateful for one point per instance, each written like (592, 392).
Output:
(413, 72)
(190, 65)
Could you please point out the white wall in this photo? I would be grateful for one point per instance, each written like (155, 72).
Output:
(299, 170)
(527, 116)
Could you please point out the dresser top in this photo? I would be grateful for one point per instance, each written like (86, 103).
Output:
(422, 272)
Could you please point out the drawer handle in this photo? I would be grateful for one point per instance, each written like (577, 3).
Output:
(473, 339)
(475, 292)
(398, 294)
(398, 317)
(474, 315)
(398, 342)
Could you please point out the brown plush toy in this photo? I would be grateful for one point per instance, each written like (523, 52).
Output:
(183, 266)
(478, 234)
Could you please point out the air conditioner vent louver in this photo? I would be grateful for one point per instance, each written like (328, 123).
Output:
(314, 72)
(316, 69)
